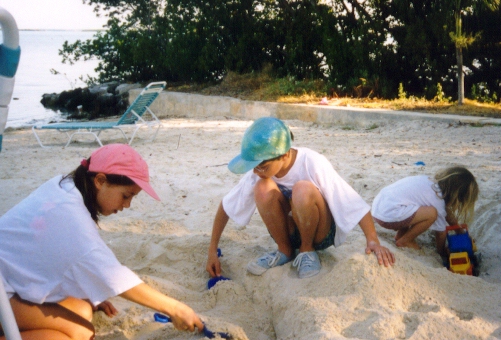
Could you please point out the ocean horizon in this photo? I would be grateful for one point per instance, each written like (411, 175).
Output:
(34, 78)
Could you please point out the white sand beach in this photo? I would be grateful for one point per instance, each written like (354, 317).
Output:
(352, 298)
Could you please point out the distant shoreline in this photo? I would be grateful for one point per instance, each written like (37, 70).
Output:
(61, 30)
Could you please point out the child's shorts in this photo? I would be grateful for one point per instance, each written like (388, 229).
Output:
(395, 225)
(295, 238)
(326, 242)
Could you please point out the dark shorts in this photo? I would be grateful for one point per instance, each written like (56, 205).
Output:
(295, 238)
(396, 225)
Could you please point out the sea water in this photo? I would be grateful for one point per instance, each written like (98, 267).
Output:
(39, 55)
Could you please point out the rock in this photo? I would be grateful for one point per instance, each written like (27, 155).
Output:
(104, 88)
(124, 88)
(49, 99)
(97, 101)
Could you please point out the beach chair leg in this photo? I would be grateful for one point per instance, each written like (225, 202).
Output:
(83, 133)
(96, 136)
(38, 138)
(156, 132)
(134, 133)
(70, 138)
(123, 134)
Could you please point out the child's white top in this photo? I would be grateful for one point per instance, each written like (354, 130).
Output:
(401, 199)
(50, 249)
(345, 204)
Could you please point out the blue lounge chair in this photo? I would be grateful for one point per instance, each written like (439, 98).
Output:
(133, 117)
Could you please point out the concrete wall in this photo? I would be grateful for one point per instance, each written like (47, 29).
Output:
(177, 104)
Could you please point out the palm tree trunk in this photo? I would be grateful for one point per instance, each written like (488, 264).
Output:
(459, 56)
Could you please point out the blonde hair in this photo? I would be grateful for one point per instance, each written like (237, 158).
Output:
(459, 190)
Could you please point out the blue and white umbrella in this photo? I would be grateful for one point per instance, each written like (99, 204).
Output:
(9, 60)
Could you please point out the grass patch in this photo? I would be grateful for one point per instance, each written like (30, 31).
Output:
(262, 86)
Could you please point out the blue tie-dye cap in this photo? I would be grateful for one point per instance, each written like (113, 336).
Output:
(265, 139)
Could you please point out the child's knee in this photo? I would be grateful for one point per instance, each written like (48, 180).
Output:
(264, 191)
(86, 312)
(83, 333)
(305, 192)
(432, 213)
(427, 213)
(80, 307)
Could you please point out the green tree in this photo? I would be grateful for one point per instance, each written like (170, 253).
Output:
(481, 57)
(377, 44)
(463, 40)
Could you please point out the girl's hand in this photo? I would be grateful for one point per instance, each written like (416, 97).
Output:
(107, 307)
(213, 266)
(383, 254)
(182, 316)
(185, 319)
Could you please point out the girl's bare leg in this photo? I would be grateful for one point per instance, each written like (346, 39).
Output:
(52, 321)
(401, 232)
(311, 214)
(424, 218)
(274, 209)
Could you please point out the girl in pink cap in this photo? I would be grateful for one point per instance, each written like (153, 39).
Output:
(55, 267)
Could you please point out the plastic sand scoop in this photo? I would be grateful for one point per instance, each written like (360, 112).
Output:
(213, 280)
(9, 60)
(208, 333)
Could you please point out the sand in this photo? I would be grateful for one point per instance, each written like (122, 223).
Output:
(352, 297)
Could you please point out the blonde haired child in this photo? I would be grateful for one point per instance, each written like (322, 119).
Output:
(415, 204)
(55, 267)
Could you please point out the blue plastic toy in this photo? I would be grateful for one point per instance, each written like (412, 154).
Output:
(213, 280)
(208, 333)
(460, 241)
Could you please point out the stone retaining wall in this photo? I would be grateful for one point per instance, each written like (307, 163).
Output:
(177, 104)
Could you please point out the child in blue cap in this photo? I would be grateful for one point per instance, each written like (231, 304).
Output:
(302, 200)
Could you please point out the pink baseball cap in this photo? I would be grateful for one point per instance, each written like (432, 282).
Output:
(121, 159)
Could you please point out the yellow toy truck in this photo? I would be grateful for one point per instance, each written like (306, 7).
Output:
(462, 248)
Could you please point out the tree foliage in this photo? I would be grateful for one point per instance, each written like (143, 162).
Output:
(351, 45)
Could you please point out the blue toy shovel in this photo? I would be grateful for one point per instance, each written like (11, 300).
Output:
(208, 333)
(213, 280)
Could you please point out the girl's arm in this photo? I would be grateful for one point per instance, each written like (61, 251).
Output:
(384, 255)
(183, 317)
(220, 221)
(451, 218)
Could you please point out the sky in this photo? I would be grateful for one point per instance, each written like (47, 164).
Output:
(52, 14)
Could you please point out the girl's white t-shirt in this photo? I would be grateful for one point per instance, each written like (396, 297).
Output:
(346, 205)
(50, 249)
(401, 199)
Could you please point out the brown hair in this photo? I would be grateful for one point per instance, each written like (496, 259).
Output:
(459, 190)
(84, 182)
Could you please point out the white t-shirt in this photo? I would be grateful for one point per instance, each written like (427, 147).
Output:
(401, 199)
(345, 204)
(50, 249)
